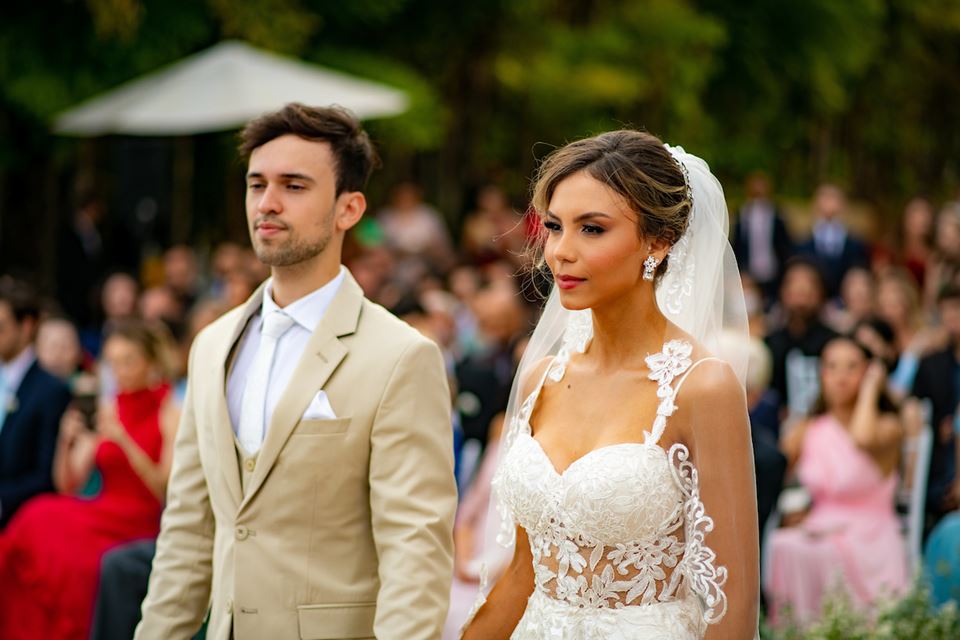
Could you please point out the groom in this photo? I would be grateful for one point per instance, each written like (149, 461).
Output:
(312, 492)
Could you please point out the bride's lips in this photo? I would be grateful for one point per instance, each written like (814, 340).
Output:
(569, 282)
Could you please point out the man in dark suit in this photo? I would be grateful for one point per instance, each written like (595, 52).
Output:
(760, 238)
(938, 379)
(801, 302)
(832, 245)
(31, 404)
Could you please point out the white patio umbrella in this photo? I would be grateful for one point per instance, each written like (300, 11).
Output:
(221, 88)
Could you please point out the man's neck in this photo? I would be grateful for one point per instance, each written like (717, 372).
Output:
(23, 350)
(296, 281)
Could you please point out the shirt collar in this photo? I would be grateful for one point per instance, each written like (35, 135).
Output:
(16, 369)
(308, 310)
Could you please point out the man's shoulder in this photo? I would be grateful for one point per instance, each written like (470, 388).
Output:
(220, 329)
(38, 379)
(942, 359)
(391, 334)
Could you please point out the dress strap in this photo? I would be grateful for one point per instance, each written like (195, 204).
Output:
(665, 367)
(690, 370)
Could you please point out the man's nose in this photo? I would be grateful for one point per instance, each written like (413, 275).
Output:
(269, 201)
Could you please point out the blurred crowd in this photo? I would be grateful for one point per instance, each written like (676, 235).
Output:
(853, 385)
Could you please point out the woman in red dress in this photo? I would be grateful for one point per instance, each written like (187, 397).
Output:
(50, 552)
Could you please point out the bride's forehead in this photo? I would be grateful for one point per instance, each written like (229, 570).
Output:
(581, 192)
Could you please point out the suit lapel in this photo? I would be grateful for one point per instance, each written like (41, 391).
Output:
(222, 426)
(322, 356)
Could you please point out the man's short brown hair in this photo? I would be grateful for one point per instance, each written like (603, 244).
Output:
(353, 152)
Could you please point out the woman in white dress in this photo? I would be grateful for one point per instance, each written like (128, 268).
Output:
(625, 483)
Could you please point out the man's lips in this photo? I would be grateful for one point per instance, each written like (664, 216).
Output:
(269, 229)
(568, 282)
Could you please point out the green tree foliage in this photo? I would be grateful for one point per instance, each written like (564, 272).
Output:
(862, 91)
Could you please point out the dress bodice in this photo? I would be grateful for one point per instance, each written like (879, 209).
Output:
(622, 525)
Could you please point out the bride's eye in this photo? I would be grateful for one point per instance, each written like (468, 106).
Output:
(551, 226)
(593, 229)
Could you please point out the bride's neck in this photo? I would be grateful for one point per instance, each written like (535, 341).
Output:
(627, 330)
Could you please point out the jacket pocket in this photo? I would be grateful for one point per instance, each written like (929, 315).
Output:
(335, 621)
(322, 427)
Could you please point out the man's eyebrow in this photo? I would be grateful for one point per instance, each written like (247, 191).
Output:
(286, 176)
(584, 216)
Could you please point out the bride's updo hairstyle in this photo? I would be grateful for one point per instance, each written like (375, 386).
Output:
(634, 164)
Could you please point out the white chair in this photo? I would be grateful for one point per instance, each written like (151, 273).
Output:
(912, 494)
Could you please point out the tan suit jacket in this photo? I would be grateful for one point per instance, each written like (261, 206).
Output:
(343, 527)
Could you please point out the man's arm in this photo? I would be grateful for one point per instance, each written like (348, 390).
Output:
(182, 568)
(413, 497)
(15, 492)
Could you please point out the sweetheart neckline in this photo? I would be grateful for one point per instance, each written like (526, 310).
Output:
(615, 445)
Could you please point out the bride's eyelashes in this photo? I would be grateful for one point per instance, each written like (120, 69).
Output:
(589, 229)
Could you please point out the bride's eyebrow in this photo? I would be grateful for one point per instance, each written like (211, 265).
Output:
(583, 216)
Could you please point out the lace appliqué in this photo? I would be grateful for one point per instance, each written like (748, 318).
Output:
(575, 338)
(671, 362)
(698, 561)
(677, 284)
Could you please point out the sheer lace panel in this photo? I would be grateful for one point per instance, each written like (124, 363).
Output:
(624, 524)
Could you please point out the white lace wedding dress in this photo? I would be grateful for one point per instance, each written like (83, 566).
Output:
(617, 538)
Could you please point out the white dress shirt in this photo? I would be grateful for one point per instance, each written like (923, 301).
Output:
(306, 313)
(758, 216)
(13, 373)
(829, 237)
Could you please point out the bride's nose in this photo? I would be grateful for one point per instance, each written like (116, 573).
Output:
(563, 249)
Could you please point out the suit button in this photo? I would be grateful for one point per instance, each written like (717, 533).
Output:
(241, 532)
(250, 464)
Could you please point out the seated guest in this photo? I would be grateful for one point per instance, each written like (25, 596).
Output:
(58, 348)
(847, 457)
(802, 300)
(941, 561)
(938, 378)
(31, 403)
(124, 576)
(50, 552)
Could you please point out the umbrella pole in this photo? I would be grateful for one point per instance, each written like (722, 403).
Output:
(181, 222)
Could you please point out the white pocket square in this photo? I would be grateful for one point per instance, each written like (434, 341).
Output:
(319, 408)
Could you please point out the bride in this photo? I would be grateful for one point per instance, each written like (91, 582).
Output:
(626, 480)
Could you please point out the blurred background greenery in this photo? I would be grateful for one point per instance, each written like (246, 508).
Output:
(863, 92)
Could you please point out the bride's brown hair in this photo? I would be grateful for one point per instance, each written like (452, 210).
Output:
(635, 165)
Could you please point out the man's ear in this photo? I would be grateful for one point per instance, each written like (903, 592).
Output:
(350, 208)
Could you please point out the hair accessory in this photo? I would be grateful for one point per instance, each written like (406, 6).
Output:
(650, 268)
(678, 153)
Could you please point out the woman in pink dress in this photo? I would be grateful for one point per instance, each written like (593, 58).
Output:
(50, 552)
(846, 457)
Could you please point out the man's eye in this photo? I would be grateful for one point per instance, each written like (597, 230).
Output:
(253, 186)
(295, 187)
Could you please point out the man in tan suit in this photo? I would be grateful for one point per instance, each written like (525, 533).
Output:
(312, 492)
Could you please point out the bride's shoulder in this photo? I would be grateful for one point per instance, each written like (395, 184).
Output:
(708, 375)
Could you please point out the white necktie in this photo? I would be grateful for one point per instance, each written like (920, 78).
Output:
(253, 418)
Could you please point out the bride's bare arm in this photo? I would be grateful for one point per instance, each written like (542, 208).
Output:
(507, 601)
(712, 416)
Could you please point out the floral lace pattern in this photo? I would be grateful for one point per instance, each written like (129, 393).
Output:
(621, 526)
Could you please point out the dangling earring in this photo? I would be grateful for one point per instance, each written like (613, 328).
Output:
(649, 268)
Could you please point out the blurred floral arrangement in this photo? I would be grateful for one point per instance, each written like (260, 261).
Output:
(913, 617)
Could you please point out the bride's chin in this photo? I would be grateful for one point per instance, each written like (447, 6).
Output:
(572, 305)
